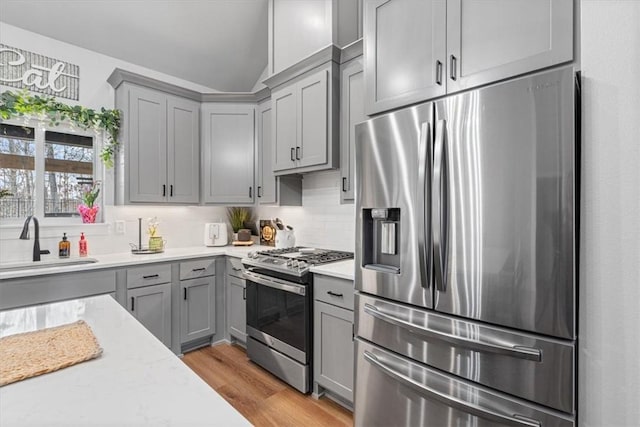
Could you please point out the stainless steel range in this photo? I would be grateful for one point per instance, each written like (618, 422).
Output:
(279, 310)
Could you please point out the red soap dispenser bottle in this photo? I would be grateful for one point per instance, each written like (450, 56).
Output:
(82, 245)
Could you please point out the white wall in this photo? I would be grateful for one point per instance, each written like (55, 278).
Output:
(609, 336)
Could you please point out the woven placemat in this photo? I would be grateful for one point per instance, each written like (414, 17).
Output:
(35, 353)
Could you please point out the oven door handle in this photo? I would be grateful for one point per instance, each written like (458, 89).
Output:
(271, 282)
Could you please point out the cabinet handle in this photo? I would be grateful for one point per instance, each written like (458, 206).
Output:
(297, 153)
(152, 276)
(453, 62)
(133, 303)
(333, 294)
(164, 190)
(250, 191)
(344, 184)
(198, 269)
(244, 294)
(439, 73)
(185, 294)
(292, 154)
(259, 191)
(171, 190)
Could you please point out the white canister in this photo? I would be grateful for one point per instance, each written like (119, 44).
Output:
(285, 239)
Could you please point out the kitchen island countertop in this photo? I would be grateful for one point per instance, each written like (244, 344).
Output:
(136, 381)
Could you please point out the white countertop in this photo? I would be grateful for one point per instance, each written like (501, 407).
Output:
(341, 269)
(136, 381)
(125, 259)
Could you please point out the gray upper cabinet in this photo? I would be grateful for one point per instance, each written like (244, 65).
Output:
(404, 50)
(183, 147)
(147, 145)
(450, 45)
(162, 146)
(305, 122)
(351, 113)
(493, 40)
(266, 180)
(228, 153)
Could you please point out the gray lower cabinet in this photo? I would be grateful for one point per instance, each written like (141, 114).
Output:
(333, 354)
(236, 301)
(450, 45)
(151, 305)
(162, 153)
(228, 153)
(351, 113)
(197, 311)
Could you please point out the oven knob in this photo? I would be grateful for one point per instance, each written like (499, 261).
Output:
(294, 264)
(302, 265)
(252, 254)
(289, 263)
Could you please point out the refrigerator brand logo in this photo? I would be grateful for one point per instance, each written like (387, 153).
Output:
(38, 73)
(542, 86)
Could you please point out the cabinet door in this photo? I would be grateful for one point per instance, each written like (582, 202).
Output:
(236, 308)
(197, 312)
(351, 113)
(147, 145)
(312, 120)
(228, 132)
(493, 40)
(333, 343)
(284, 128)
(152, 307)
(404, 51)
(266, 190)
(183, 146)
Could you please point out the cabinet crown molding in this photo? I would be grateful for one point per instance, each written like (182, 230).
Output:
(322, 56)
(119, 76)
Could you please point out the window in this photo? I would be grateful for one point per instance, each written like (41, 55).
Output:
(45, 171)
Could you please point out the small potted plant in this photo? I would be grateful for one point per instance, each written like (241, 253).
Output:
(88, 211)
(156, 243)
(238, 216)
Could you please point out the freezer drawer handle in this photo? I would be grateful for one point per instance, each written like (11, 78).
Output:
(518, 351)
(486, 413)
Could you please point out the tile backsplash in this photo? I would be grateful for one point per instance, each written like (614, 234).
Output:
(321, 222)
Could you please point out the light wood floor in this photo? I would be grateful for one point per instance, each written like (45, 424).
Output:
(261, 397)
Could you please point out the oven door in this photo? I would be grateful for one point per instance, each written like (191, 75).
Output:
(279, 314)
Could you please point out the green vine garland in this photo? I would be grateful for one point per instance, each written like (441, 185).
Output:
(23, 103)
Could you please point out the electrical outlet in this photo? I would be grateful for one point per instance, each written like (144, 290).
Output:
(120, 228)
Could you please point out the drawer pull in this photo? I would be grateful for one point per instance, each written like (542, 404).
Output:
(185, 294)
(198, 269)
(151, 276)
(133, 304)
(333, 294)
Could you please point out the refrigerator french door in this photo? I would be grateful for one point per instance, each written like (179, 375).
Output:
(465, 250)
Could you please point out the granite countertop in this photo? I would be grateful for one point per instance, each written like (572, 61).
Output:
(136, 381)
(341, 269)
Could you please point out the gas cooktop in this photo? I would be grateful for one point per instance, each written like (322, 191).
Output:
(296, 260)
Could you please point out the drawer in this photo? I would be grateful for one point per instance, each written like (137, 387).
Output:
(234, 267)
(333, 291)
(148, 275)
(197, 268)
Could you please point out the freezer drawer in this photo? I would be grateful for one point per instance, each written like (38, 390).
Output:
(528, 366)
(394, 391)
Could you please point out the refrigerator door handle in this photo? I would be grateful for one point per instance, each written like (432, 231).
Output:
(423, 158)
(443, 396)
(514, 350)
(437, 205)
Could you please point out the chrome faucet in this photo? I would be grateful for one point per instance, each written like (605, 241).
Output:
(36, 243)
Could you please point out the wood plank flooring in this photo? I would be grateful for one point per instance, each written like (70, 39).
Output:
(261, 397)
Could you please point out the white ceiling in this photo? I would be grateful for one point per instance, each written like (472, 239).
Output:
(221, 44)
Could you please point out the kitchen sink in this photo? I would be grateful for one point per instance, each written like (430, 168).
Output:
(45, 264)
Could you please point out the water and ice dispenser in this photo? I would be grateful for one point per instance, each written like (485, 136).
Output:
(381, 243)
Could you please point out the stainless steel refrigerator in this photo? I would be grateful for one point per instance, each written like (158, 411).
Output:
(465, 259)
